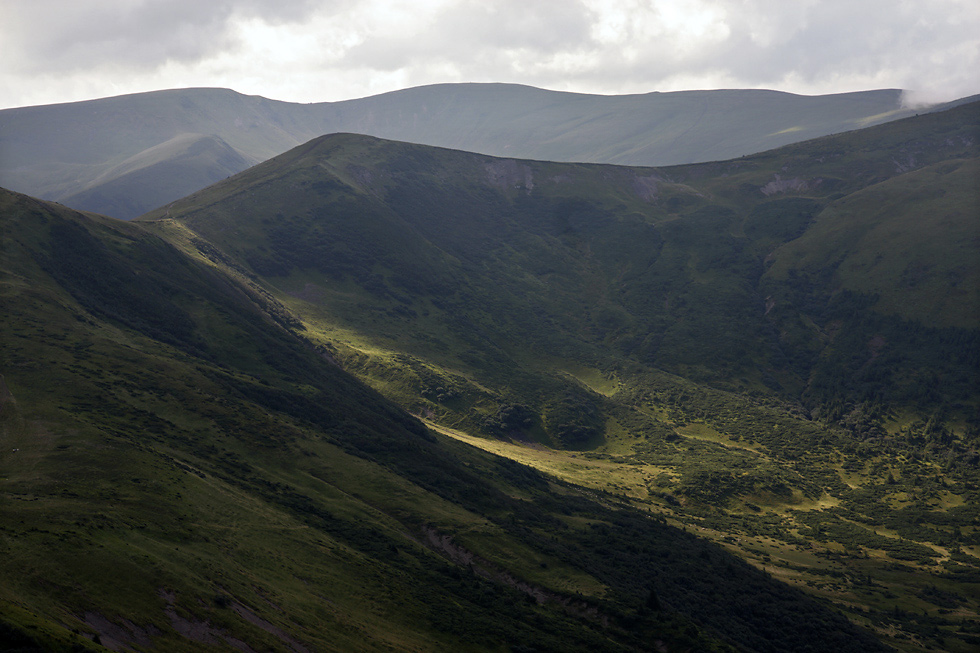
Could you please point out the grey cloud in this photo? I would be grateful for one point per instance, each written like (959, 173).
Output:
(840, 38)
(809, 46)
(820, 44)
(57, 36)
(543, 25)
(477, 35)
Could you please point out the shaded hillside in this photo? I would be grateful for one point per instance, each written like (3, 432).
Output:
(155, 176)
(182, 469)
(780, 351)
(498, 266)
(74, 152)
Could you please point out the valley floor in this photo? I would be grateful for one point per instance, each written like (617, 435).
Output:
(914, 593)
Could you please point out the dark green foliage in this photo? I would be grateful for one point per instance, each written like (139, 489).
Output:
(105, 284)
(780, 220)
(876, 358)
(531, 259)
(14, 640)
(574, 418)
(509, 419)
(636, 554)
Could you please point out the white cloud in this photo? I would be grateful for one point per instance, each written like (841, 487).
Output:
(306, 50)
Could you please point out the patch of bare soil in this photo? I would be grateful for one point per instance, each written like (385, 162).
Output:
(646, 187)
(779, 185)
(508, 173)
(258, 621)
(199, 631)
(118, 637)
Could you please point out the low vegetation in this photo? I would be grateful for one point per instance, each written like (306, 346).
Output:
(702, 428)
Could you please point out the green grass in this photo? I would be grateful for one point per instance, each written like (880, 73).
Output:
(796, 306)
(863, 567)
(907, 241)
(423, 252)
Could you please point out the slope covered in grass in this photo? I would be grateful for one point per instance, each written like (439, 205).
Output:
(156, 175)
(182, 468)
(503, 267)
(704, 335)
(910, 241)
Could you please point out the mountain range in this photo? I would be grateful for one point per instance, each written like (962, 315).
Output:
(125, 155)
(376, 395)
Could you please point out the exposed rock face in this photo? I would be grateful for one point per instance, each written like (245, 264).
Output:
(508, 173)
(646, 187)
(779, 185)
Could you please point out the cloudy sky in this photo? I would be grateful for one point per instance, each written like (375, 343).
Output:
(325, 50)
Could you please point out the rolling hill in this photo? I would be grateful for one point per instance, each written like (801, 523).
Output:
(183, 470)
(126, 155)
(158, 174)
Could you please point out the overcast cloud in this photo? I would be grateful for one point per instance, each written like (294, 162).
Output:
(324, 50)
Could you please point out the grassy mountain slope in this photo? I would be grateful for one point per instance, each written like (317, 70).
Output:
(183, 469)
(59, 151)
(510, 262)
(909, 241)
(704, 334)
